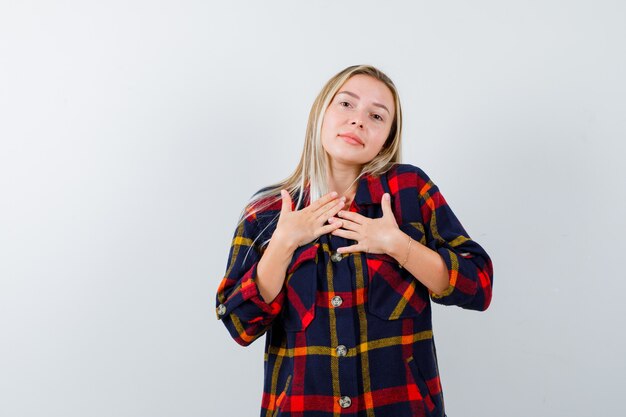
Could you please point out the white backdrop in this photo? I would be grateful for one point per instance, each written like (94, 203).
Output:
(133, 132)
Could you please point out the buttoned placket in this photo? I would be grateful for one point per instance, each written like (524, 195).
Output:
(346, 320)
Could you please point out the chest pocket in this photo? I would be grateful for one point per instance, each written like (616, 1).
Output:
(301, 286)
(393, 293)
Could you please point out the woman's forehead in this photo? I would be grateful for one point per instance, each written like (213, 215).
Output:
(366, 87)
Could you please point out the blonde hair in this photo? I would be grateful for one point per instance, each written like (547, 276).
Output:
(313, 166)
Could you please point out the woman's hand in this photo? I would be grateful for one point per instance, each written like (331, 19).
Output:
(372, 235)
(297, 228)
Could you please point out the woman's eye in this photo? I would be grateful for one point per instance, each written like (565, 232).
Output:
(341, 103)
(379, 117)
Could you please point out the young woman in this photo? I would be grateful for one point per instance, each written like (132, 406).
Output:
(337, 265)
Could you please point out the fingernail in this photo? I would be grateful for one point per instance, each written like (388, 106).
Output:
(331, 220)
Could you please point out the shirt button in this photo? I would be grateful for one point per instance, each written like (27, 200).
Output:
(342, 350)
(221, 310)
(345, 401)
(336, 256)
(336, 301)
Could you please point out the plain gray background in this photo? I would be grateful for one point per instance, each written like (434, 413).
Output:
(133, 132)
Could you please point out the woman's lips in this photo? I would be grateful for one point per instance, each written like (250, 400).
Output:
(351, 140)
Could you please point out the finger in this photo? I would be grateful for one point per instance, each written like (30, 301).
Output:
(387, 208)
(352, 216)
(350, 225)
(286, 207)
(329, 228)
(346, 234)
(386, 205)
(315, 206)
(352, 248)
(330, 209)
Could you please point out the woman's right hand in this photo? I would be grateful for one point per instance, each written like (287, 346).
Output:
(299, 227)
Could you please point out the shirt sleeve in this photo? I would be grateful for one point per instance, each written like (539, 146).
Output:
(470, 269)
(239, 304)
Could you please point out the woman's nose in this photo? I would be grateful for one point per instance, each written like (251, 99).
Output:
(358, 123)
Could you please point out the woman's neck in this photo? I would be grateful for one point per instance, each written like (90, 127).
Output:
(341, 179)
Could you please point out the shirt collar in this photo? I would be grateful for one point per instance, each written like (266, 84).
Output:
(369, 191)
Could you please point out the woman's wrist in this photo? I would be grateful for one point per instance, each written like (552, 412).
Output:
(398, 246)
(282, 244)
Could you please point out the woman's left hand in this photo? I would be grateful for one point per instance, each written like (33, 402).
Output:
(372, 235)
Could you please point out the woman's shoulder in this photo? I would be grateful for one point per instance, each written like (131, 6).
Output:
(261, 205)
(408, 174)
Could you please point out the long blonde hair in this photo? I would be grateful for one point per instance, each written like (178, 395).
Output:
(313, 166)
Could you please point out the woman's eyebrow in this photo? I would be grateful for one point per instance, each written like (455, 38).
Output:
(350, 93)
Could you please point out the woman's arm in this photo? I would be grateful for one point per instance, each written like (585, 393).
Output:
(422, 262)
(240, 300)
(272, 268)
(468, 266)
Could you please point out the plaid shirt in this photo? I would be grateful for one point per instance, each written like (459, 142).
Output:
(351, 334)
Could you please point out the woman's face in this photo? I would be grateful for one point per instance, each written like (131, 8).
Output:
(358, 120)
